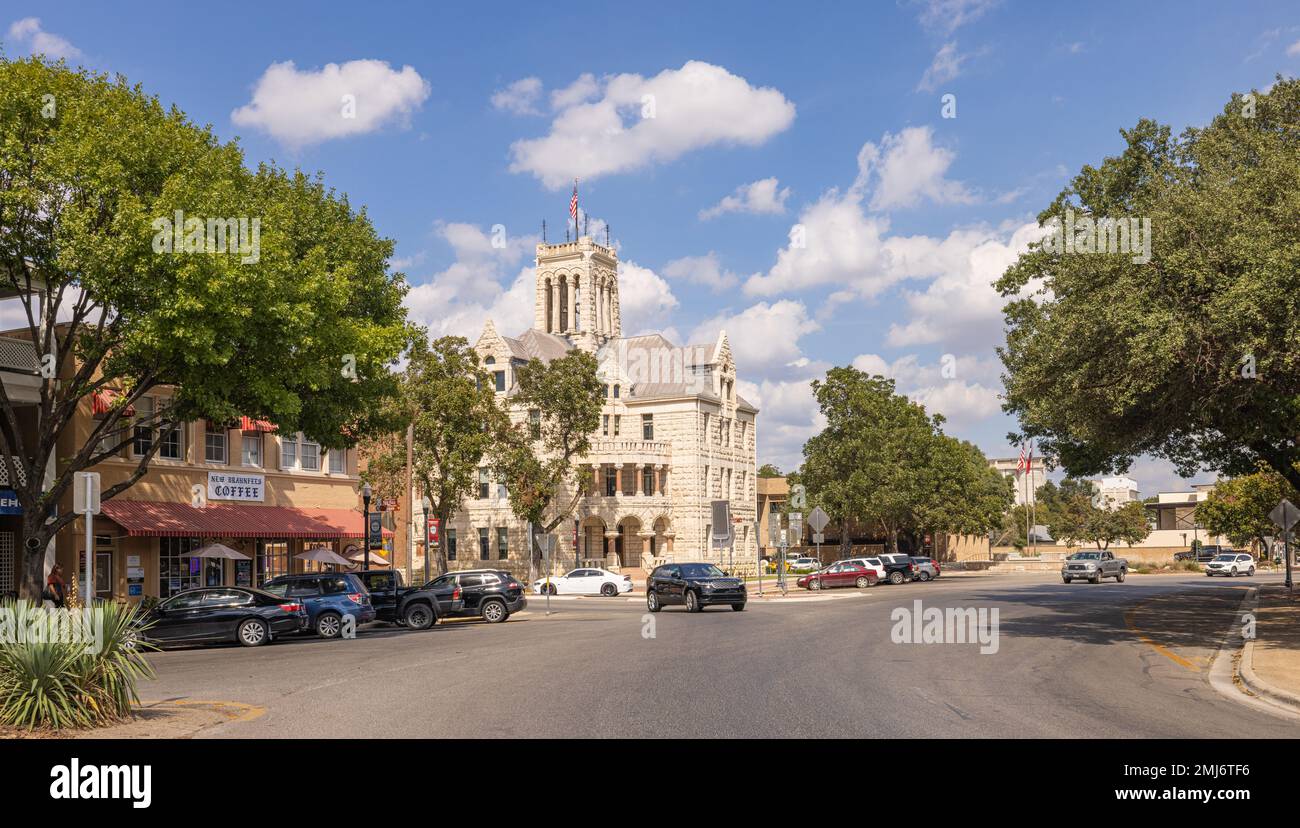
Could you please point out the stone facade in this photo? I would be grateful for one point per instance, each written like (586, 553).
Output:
(674, 433)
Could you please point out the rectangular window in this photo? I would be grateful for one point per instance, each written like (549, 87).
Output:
(483, 550)
(172, 446)
(604, 427)
(177, 571)
(616, 419)
(288, 451)
(451, 544)
(483, 484)
(647, 426)
(611, 481)
(535, 423)
(500, 380)
(338, 461)
(648, 480)
(252, 450)
(501, 490)
(272, 560)
(503, 543)
(309, 455)
(214, 444)
(142, 436)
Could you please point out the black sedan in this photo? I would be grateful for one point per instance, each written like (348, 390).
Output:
(249, 616)
(694, 586)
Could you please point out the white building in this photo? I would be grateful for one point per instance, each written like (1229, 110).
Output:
(1114, 492)
(1025, 492)
(674, 433)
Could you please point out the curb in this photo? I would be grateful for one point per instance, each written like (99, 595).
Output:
(1251, 680)
(1232, 676)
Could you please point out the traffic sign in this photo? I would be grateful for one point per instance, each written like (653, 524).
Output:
(818, 537)
(796, 526)
(818, 519)
(1285, 515)
(85, 493)
(721, 519)
(773, 530)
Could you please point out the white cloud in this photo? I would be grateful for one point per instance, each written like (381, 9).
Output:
(40, 42)
(702, 270)
(764, 337)
(580, 91)
(788, 416)
(946, 16)
(945, 66)
(639, 121)
(907, 168)
(303, 108)
(760, 197)
(645, 300)
(520, 97)
(1293, 50)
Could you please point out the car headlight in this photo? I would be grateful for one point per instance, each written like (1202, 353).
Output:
(708, 587)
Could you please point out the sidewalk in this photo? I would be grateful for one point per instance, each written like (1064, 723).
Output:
(1270, 664)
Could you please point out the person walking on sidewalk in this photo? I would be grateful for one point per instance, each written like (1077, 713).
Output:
(55, 589)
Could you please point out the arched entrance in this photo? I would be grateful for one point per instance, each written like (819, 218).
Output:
(661, 539)
(591, 540)
(628, 545)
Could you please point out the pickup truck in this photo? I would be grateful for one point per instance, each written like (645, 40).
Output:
(1094, 565)
(415, 607)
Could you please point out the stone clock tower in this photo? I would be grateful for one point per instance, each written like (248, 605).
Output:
(577, 293)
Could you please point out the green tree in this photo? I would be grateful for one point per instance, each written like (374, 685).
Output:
(536, 456)
(298, 325)
(448, 402)
(1072, 515)
(768, 470)
(1193, 356)
(1238, 508)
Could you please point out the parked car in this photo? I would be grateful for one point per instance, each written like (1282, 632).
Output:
(840, 574)
(1185, 555)
(396, 603)
(584, 582)
(803, 564)
(491, 594)
(693, 585)
(873, 564)
(329, 598)
(927, 569)
(1230, 564)
(249, 616)
(1093, 566)
(898, 567)
(1208, 552)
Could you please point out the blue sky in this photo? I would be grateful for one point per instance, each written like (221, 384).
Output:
(762, 118)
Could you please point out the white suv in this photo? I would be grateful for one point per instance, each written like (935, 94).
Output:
(1231, 563)
(872, 564)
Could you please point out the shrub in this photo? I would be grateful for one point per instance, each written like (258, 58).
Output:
(60, 684)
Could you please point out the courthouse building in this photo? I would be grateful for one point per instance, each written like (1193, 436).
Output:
(674, 434)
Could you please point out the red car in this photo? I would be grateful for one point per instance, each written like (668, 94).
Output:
(840, 575)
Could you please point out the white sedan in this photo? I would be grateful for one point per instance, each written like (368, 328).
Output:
(584, 582)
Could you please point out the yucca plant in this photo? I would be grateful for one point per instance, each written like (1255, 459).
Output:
(66, 684)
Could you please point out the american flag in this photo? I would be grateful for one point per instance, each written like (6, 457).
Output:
(1020, 464)
(573, 202)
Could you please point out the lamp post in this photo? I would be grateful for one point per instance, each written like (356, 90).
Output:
(426, 505)
(366, 491)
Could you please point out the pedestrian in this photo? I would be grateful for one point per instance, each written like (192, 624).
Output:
(55, 589)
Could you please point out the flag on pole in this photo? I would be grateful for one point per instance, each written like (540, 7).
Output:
(1020, 464)
(1029, 461)
(573, 202)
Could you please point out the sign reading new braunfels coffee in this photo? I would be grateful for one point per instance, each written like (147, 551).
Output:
(227, 486)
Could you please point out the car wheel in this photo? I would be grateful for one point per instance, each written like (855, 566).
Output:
(925, 576)
(1232, 572)
(1250, 572)
(652, 601)
(1066, 580)
(608, 590)
(1119, 579)
(550, 589)
(738, 607)
(329, 625)
(896, 578)
(1095, 579)
(252, 632)
(692, 602)
(814, 584)
(419, 617)
(494, 612)
(863, 582)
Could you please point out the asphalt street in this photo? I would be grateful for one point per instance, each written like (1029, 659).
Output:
(1108, 661)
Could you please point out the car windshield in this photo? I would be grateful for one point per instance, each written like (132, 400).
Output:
(1226, 558)
(276, 589)
(1085, 556)
(702, 571)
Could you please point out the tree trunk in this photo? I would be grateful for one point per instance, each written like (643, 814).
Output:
(443, 520)
(893, 541)
(32, 554)
(846, 543)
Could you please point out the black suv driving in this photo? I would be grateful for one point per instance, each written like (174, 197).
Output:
(491, 594)
(694, 585)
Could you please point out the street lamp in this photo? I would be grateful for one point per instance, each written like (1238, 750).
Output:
(426, 504)
(366, 492)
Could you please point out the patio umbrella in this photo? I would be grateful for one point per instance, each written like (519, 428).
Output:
(323, 554)
(219, 550)
(375, 558)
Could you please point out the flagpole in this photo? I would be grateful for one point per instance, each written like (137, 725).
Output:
(1033, 495)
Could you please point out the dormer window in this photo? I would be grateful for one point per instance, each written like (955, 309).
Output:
(616, 390)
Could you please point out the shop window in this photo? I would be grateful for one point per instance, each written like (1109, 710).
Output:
(214, 444)
(272, 560)
(177, 571)
(252, 449)
(503, 543)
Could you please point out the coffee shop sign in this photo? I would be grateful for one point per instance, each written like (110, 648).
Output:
(225, 486)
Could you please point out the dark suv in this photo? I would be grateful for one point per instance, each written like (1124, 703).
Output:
(328, 596)
(491, 594)
(694, 585)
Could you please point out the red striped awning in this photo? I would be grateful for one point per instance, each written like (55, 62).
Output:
(159, 519)
(249, 424)
(106, 399)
